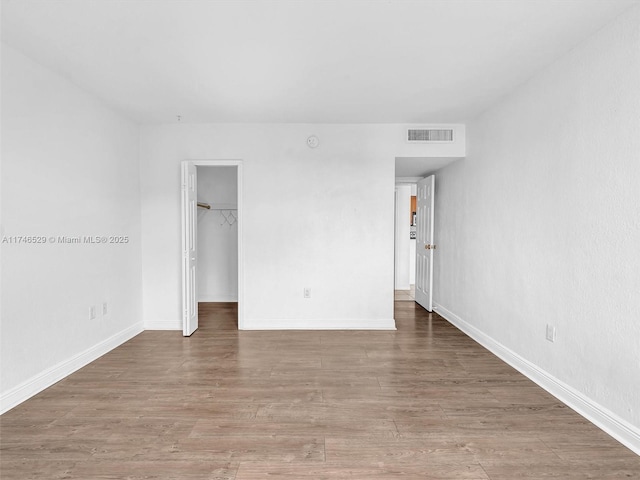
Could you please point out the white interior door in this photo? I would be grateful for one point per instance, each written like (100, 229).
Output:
(189, 248)
(424, 242)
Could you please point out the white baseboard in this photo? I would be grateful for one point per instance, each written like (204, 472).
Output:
(319, 324)
(45, 379)
(618, 428)
(218, 298)
(163, 325)
(290, 324)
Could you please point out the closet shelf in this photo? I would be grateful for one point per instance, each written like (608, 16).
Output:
(218, 206)
(224, 206)
(228, 211)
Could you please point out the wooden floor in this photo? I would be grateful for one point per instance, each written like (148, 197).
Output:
(405, 295)
(425, 402)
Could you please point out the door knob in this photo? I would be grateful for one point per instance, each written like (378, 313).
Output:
(428, 246)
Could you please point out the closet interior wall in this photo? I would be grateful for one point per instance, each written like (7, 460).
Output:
(217, 235)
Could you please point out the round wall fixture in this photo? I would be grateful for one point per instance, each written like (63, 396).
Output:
(313, 141)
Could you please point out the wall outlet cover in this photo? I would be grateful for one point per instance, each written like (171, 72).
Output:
(551, 333)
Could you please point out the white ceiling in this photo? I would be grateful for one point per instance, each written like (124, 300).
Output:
(420, 166)
(309, 61)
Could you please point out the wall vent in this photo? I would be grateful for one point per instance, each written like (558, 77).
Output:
(429, 135)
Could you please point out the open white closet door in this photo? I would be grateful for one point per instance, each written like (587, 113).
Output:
(424, 242)
(189, 248)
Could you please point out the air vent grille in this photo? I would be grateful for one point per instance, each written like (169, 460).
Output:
(430, 135)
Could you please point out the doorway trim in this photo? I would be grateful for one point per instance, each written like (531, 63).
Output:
(240, 221)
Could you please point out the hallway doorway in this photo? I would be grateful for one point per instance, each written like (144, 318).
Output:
(405, 295)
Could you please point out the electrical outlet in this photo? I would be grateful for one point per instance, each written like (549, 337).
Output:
(105, 308)
(307, 292)
(551, 333)
(92, 312)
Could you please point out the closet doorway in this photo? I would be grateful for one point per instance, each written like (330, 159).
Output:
(211, 237)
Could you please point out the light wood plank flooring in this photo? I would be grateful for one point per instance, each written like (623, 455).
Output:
(425, 402)
(405, 295)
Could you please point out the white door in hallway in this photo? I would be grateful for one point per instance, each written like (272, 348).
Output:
(189, 248)
(424, 242)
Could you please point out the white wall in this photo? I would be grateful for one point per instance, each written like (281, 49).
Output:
(217, 237)
(540, 225)
(319, 218)
(69, 168)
